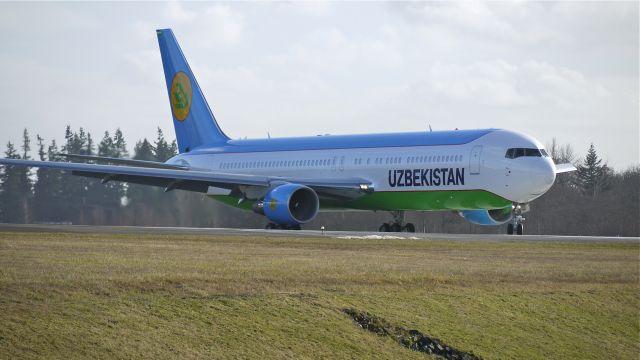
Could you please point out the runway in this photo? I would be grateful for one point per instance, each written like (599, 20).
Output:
(306, 233)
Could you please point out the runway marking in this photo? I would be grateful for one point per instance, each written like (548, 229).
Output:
(378, 237)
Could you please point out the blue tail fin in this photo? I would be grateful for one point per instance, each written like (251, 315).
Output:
(194, 122)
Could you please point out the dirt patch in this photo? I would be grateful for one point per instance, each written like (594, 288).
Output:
(412, 339)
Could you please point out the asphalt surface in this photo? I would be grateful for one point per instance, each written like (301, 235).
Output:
(305, 233)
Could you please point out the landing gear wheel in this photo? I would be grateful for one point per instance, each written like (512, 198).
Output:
(295, 227)
(397, 225)
(519, 229)
(410, 228)
(271, 226)
(510, 229)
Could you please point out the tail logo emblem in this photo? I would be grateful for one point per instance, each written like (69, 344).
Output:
(181, 95)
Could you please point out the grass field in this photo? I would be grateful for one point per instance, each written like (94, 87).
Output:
(171, 296)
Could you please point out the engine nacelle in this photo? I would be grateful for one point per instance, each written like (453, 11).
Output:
(488, 217)
(290, 204)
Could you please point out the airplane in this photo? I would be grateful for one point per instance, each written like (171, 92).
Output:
(487, 176)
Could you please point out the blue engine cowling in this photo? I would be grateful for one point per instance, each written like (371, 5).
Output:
(488, 217)
(291, 204)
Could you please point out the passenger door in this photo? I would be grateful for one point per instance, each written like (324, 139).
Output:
(474, 160)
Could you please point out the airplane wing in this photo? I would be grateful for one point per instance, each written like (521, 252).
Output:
(122, 161)
(563, 168)
(197, 180)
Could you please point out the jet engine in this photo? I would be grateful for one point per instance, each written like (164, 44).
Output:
(488, 217)
(289, 204)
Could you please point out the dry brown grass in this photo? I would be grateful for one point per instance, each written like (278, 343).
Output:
(167, 296)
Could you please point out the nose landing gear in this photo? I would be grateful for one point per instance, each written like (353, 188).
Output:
(397, 225)
(515, 224)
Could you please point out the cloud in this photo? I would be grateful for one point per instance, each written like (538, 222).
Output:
(546, 68)
(316, 8)
(177, 13)
(221, 23)
(208, 25)
(330, 49)
(500, 83)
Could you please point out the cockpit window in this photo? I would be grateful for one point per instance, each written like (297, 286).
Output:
(519, 152)
(532, 152)
(510, 153)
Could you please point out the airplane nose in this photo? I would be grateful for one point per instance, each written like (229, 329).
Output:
(544, 175)
(549, 173)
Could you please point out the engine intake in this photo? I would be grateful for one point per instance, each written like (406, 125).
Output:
(290, 204)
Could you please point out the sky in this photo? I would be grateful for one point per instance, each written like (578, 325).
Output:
(564, 70)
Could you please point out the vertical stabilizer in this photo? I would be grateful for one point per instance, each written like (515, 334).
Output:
(192, 118)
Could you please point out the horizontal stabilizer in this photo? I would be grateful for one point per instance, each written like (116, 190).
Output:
(563, 168)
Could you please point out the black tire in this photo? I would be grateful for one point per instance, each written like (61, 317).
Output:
(295, 227)
(270, 226)
(410, 228)
(384, 228)
(520, 229)
(510, 229)
(395, 227)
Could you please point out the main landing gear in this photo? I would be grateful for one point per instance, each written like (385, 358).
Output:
(397, 225)
(515, 224)
(274, 226)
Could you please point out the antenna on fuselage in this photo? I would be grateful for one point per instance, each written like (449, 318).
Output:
(430, 130)
(268, 135)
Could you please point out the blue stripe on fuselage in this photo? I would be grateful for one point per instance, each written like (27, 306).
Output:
(327, 142)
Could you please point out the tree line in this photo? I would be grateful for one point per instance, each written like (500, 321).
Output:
(595, 200)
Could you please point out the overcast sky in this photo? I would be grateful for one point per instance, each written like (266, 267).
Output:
(549, 69)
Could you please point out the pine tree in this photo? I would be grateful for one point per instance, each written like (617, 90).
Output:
(151, 205)
(592, 174)
(144, 151)
(75, 189)
(11, 201)
(26, 184)
(164, 150)
(120, 149)
(143, 197)
(42, 186)
(89, 148)
(48, 200)
(105, 199)
(106, 146)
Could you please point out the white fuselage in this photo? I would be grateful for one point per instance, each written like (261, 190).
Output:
(482, 162)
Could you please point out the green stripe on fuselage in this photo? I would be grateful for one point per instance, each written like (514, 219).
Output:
(406, 200)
